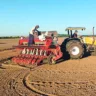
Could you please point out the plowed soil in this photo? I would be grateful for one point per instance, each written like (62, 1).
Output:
(67, 78)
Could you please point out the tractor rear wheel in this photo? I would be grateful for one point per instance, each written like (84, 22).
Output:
(76, 50)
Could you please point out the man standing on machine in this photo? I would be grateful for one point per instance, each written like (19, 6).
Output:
(31, 34)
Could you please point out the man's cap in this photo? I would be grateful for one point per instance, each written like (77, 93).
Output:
(37, 26)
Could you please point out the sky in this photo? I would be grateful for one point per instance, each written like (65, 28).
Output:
(17, 17)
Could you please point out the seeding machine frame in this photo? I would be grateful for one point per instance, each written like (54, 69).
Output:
(38, 53)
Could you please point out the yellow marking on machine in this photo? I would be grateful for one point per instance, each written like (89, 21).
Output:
(39, 42)
(89, 40)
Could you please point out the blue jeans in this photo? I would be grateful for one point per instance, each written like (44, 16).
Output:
(31, 40)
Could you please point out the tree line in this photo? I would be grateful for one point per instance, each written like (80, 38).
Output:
(9, 37)
(59, 35)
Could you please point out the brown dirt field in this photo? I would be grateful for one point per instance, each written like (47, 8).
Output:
(7, 43)
(60, 40)
(67, 78)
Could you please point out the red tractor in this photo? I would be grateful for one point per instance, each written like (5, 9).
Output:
(39, 52)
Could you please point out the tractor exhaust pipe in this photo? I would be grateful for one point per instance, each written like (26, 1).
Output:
(93, 37)
(93, 31)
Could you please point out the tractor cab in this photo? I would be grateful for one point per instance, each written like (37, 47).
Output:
(71, 29)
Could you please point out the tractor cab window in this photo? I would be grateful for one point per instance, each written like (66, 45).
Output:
(74, 35)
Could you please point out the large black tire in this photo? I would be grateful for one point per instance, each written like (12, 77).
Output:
(75, 49)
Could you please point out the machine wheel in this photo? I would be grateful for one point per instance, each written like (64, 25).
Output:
(76, 50)
(50, 59)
